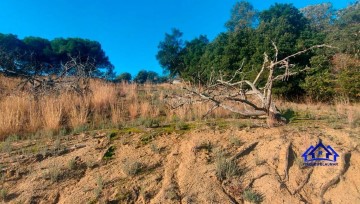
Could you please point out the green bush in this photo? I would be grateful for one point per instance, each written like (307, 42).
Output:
(252, 196)
(226, 168)
(320, 87)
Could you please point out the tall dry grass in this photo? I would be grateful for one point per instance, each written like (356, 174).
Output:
(22, 113)
(14, 114)
(52, 112)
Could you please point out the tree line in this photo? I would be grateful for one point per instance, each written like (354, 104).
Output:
(333, 73)
(38, 56)
(35, 56)
(143, 76)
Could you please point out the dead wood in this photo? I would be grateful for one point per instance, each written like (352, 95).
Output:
(245, 96)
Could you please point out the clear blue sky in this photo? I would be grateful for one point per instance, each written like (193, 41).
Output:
(130, 30)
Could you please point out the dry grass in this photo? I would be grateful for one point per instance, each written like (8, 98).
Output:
(52, 112)
(145, 109)
(133, 110)
(113, 104)
(79, 111)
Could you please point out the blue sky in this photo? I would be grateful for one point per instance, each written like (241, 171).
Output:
(129, 31)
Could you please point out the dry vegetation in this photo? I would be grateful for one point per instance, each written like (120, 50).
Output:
(122, 144)
(106, 105)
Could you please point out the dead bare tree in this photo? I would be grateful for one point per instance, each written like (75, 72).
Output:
(244, 96)
(43, 78)
(74, 75)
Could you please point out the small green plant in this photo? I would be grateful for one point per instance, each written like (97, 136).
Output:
(6, 146)
(154, 148)
(151, 123)
(132, 168)
(80, 129)
(171, 192)
(109, 153)
(289, 114)
(252, 196)
(2, 175)
(13, 138)
(99, 187)
(309, 115)
(234, 141)
(3, 194)
(204, 145)
(130, 130)
(226, 168)
(336, 125)
(57, 145)
(53, 174)
(148, 137)
(112, 135)
(44, 151)
(182, 126)
(124, 196)
(244, 124)
(63, 132)
(72, 164)
(175, 119)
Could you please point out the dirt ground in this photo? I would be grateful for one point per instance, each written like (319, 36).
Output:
(204, 163)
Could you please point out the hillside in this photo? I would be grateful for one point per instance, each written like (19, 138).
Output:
(169, 165)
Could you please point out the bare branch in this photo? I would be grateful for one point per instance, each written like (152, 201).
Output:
(266, 60)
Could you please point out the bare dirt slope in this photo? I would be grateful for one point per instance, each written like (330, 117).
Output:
(205, 164)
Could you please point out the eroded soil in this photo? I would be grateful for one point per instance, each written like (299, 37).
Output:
(147, 165)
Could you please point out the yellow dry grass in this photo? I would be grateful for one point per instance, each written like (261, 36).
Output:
(22, 113)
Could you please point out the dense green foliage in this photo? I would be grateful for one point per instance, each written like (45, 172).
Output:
(144, 76)
(251, 34)
(124, 77)
(39, 56)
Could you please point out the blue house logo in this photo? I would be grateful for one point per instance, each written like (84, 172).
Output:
(320, 153)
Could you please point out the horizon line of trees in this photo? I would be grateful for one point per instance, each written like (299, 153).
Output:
(143, 76)
(35, 56)
(334, 73)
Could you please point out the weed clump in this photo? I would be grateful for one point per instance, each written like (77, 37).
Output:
(154, 148)
(99, 187)
(132, 168)
(182, 126)
(252, 196)
(53, 173)
(3, 194)
(109, 153)
(151, 123)
(72, 164)
(226, 168)
(236, 142)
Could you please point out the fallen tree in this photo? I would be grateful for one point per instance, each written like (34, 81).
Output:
(244, 96)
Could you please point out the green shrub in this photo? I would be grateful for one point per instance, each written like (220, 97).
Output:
(320, 87)
(99, 187)
(109, 153)
(182, 126)
(151, 123)
(226, 169)
(72, 164)
(3, 194)
(252, 196)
